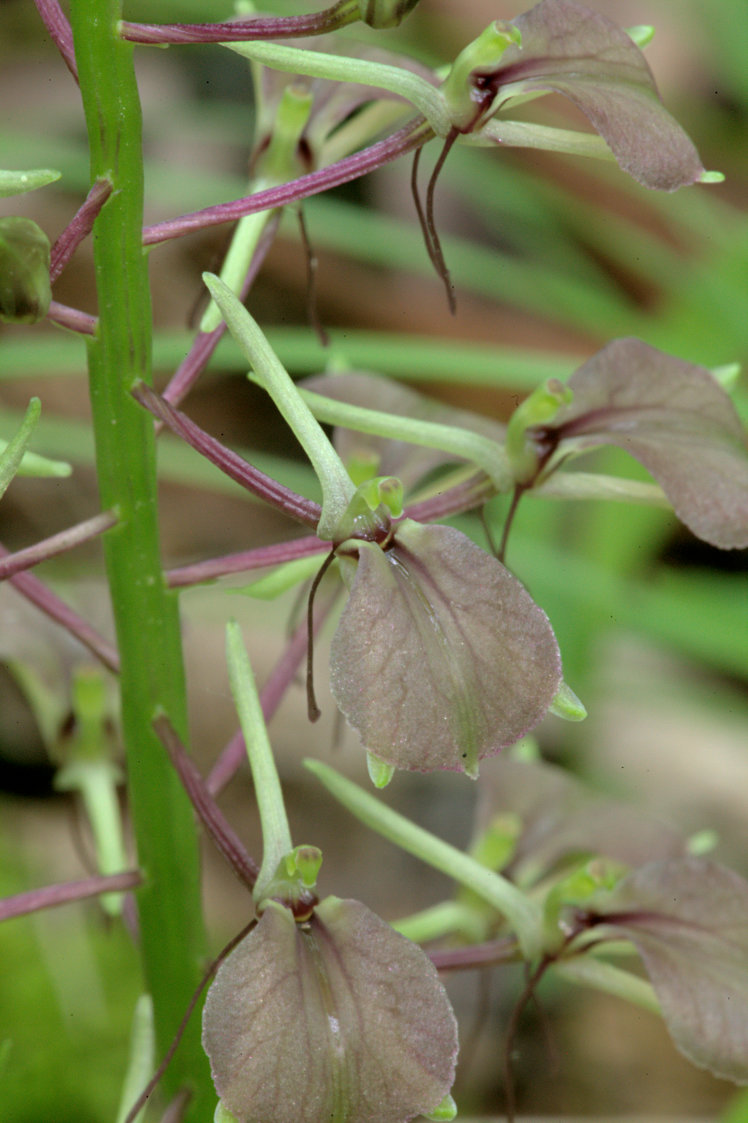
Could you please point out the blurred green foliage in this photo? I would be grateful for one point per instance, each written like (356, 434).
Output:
(574, 250)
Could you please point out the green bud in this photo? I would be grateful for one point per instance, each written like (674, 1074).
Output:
(25, 293)
(467, 89)
(385, 13)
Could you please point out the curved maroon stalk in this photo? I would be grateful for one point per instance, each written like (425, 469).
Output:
(53, 895)
(205, 343)
(260, 27)
(79, 227)
(56, 544)
(38, 593)
(270, 696)
(218, 827)
(231, 464)
(409, 137)
(58, 27)
(244, 561)
(72, 318)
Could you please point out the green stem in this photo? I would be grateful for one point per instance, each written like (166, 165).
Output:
(522, 913)
(146, 616)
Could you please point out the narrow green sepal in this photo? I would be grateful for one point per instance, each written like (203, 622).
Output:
(495, 848)
(17, 183)
(711, 177)
(276, 835)
(539, 408)
(281, 579)
(362, 467)
(446, 1111)
(478, 59)
(380, 773)
(269, 372)
(280, 162)
(566, 705)
(88, 768)
(141, 1059)
(25, 292)
(12, 452)
(576, 889)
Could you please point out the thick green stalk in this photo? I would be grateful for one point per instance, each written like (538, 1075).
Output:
(146, 615)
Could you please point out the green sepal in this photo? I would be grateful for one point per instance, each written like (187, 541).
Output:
(539, 408)
(25, 292)
(362, 467)
(17, 183)
(495, 848)
(577, 888)
(88, 768)
(380, 773)
(281, 579)
(269, 372)
(480, 57)
(141, 1060)
(444, 1112)
(12, 452)
(279, 162)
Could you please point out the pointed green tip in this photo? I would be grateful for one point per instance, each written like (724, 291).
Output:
(711, 177)
(445, 1112)
(380, 773)
(642, 34)
(727, 375)
(566, 705)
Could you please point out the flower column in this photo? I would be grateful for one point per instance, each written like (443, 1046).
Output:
(146, 616)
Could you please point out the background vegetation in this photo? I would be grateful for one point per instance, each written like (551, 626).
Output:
(551, 257)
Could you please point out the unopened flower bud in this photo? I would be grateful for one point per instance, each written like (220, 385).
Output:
(24, 271)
